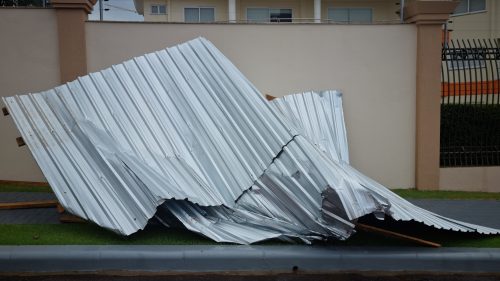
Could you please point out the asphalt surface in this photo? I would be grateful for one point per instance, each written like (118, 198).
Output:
(482, 212)
(298, 276)
(28, 216)
(246, 258)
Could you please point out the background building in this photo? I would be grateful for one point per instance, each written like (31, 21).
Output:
(471, 19)
(347, 11)
(475, 19)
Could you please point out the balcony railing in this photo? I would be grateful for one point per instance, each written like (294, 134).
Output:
(289, 21)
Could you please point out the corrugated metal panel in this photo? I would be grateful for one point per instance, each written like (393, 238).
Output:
(183, 118)
(184, 123)
(319, 117)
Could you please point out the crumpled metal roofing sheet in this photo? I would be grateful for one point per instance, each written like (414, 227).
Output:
(182, 130)
(319, 117)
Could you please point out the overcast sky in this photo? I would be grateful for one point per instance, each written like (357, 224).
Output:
(119, 10)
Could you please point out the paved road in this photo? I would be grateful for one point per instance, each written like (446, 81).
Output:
(482, 212)
(265, 277)
(28, 216)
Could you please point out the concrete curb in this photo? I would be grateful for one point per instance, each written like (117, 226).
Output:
(245, 258)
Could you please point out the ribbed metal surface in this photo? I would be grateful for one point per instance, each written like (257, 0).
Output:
(319, 117)
(183, 129)
(178, 123)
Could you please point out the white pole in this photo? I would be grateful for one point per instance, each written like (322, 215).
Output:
(317, 11)
(231, 8)
(101, 10)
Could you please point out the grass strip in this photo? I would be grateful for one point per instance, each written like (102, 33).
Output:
(90, 234)
(24, 188)
(441, 194)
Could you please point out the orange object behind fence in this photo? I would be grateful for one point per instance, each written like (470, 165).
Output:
(470, 88)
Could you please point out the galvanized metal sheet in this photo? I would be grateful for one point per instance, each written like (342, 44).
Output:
(182, 130)
(319, 117)
(179, 123)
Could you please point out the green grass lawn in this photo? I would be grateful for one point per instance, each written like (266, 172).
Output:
(24, 188)
(431, 194)
(90, 234)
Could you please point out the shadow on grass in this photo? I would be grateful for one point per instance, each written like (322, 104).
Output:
(155, 234)
(446, 238)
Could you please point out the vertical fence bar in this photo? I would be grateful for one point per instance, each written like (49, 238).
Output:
(489, 92)
(495, 57)
(475, 81)
(444, 155)
(493, 134)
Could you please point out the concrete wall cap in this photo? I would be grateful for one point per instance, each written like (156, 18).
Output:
(429, 11)
(86, 5)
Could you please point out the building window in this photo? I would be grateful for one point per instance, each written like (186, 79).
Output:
(269, 15)
(158, 9)
(470, 6)
(350, 15)
(202, 14)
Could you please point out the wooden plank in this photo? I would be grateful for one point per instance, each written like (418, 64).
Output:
(68, 218)
(60, 208)
(5, 111)
(20, 141)
(23, 183)
(29, 205)
(387, 233)
(270, 98)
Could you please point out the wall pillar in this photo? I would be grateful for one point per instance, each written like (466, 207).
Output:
(231, 9)
(429, 16)
(71, 16)
(317, 11)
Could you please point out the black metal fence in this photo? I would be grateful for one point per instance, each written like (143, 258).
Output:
(470, 103)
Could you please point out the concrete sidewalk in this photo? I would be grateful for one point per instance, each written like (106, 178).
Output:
(245, 259)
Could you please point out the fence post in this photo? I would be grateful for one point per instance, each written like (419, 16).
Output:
(429, 16)
(71, 16)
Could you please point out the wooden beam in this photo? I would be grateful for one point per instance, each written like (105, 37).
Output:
(387, 233)
(68, 218)
(20, 141)
(29, 205)
(5, 111)
(270, 98)
(24, 183)
(60, 208)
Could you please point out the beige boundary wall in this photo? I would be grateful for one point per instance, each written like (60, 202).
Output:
(29, 62)
(388, 73)
(486, 179)
(373, 65)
